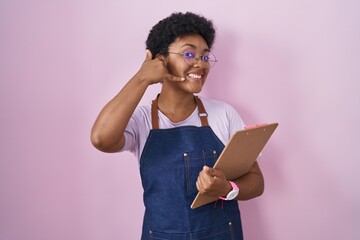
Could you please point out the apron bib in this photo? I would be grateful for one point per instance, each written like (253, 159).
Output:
(169, 166)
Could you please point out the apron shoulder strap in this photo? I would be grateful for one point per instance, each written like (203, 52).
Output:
(154, 113)
(202, 113)
(155, 118)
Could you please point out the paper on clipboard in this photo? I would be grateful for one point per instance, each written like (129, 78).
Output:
(239, 155)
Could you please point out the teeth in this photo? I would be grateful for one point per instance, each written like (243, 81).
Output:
(192, 75)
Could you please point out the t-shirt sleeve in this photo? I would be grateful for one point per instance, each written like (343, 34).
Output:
(234, 120)
(132, 133)
(137, 130)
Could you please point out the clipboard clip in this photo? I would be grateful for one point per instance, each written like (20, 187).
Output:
(256, 125)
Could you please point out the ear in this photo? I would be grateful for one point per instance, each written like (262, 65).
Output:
(161, 58)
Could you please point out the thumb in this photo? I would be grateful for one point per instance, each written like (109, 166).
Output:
(209, 170)
(213, 172)
(148, 55)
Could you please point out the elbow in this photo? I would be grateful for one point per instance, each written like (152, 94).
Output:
(96, 141)
(257, 188)
(260, 184)
(260, 187)
(105, 143)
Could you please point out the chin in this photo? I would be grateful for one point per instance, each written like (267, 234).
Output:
(196, 90)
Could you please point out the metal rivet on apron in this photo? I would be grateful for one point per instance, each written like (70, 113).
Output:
(230, 223)
(185, 154)
(215, 154)
(150, 231)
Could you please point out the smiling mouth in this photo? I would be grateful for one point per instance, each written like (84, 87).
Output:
(195, 76)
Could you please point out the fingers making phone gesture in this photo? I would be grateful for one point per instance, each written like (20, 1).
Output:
(155, 71)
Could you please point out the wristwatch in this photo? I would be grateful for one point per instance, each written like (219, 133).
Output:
(233, 193)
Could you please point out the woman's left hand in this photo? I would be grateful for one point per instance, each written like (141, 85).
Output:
(212, 182)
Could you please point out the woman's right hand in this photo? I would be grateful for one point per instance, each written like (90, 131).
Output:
(107, 134)
(155, 71)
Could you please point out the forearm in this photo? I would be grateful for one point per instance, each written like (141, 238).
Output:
(212, 182)
(108, 131)
(250, 185)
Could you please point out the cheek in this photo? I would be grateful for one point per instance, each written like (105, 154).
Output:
(206, 72)
(178, 69)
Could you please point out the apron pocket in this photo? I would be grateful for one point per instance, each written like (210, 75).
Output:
(194, 162)
(167, 236)
(223, 232)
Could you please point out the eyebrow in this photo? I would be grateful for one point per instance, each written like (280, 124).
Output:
(193, 46)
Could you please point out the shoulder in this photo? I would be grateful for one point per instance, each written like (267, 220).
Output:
(223, 118)
(143, 109)
(218, 107)
(142, 113)
(140, 120)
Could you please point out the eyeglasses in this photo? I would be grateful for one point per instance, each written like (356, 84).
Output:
(190, 59)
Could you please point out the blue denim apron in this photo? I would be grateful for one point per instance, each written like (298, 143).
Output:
(169, 166)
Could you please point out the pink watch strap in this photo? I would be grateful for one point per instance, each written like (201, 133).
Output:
(234, 187)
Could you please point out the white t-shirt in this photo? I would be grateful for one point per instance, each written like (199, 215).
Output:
(222, 118)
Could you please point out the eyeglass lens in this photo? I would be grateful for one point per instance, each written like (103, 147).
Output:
(190, 58)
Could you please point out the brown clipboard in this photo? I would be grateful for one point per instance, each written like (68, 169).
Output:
(239, 155)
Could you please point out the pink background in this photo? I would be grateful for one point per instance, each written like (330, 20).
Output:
(292, 62)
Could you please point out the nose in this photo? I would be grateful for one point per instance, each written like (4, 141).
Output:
(198, 61)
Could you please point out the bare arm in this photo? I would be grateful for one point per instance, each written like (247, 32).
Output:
(212, 182)
(107, 134)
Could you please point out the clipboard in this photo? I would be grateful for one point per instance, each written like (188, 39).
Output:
(239, 155)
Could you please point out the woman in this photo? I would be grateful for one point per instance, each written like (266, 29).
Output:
(178, 137)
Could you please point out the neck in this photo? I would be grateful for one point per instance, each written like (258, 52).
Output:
(176, 107)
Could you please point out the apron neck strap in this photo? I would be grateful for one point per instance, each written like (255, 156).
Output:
(202, 113)
(155, 119)
(154, 113)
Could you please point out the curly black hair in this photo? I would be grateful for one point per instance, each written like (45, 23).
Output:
(177, 25)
